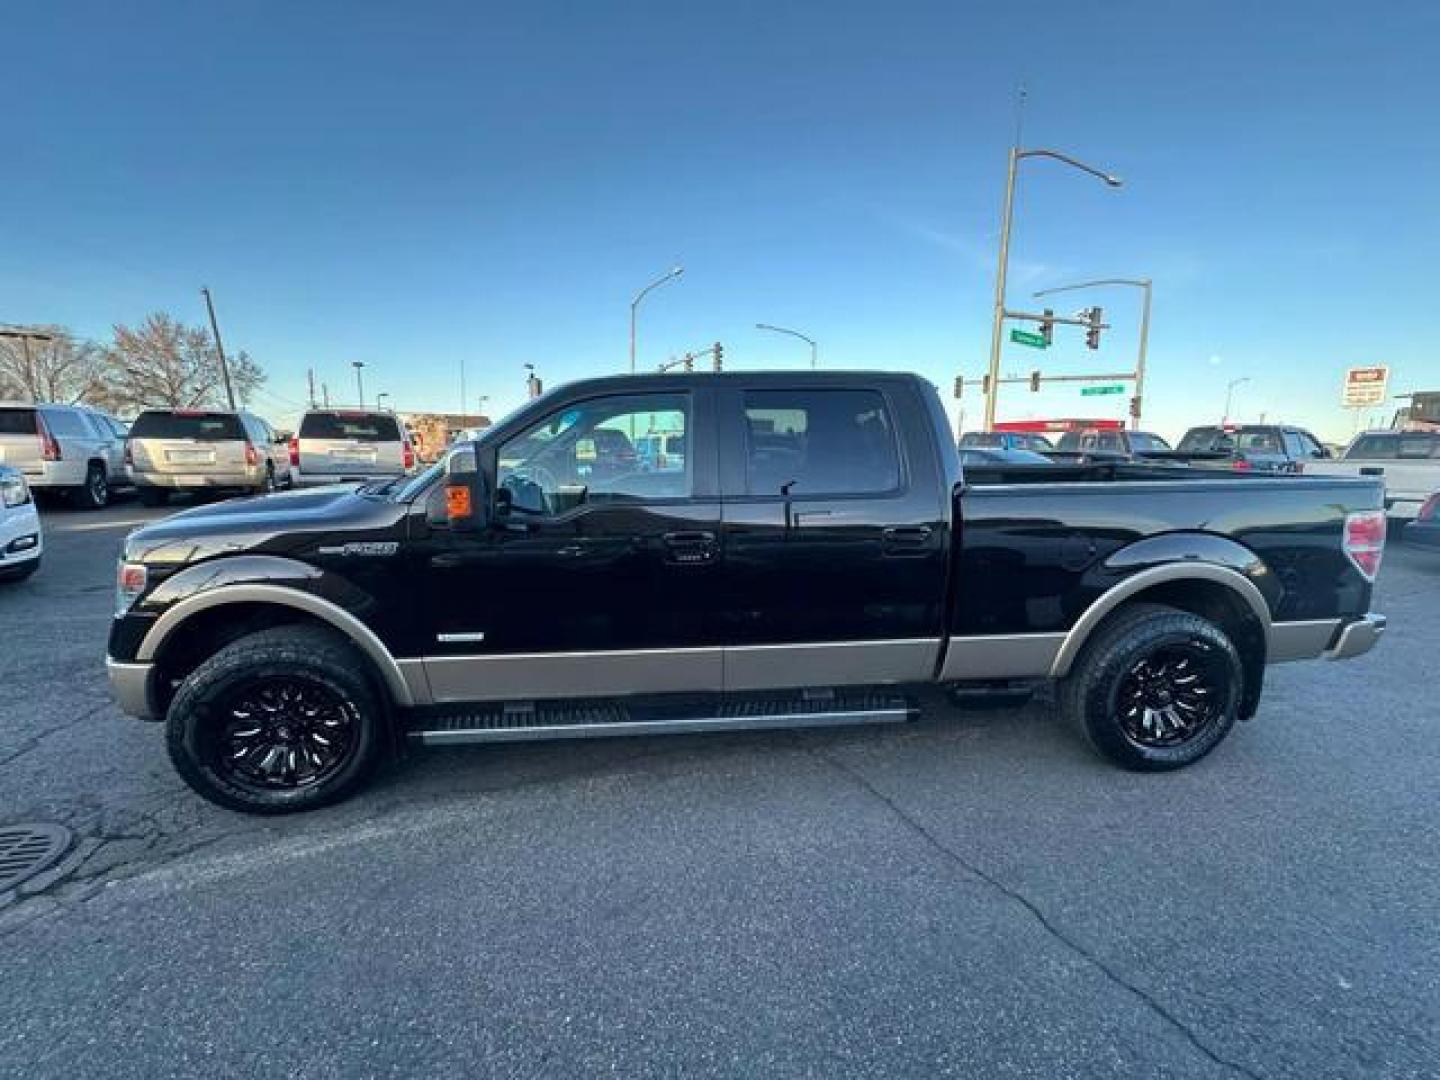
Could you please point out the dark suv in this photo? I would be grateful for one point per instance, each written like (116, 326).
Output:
(1261, 447)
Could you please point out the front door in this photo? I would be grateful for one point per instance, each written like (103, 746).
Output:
(600, 575)
(834, 534)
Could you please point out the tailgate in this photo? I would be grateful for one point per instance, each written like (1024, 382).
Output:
(349, 457)
(23, 452)
(198, 456)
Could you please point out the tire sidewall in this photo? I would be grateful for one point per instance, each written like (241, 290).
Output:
(1099, 699)
(95, 493)
(195, 711)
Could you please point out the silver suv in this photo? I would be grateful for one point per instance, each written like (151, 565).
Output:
(67, 448)
(335, 445)
(201, 450)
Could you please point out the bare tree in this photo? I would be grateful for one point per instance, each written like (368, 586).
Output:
(51, 364)
(164, 362)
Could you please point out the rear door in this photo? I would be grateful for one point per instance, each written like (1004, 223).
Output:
(350, 443)
(834, 533)
(188, 442)
(20, 443)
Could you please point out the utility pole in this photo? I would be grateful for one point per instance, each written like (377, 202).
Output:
(325, 392)
(997, 325)
(310, 378)
(219, 347)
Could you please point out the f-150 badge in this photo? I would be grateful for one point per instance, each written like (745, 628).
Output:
(363, 547)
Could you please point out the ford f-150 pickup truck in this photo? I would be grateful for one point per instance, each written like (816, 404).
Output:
(808, 552)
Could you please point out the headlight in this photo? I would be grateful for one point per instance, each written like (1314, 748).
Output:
(14, 491)
(130, 579)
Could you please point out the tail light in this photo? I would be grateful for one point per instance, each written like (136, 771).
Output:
(407, 456)
(295, 451)
(252, 456)
(1431, 510)
(1241, 464)
(1365, 541)
(49, 448)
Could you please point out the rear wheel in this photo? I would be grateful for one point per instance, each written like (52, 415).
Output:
(279, 721)
(1155, 688)
(95, 492)
(154, 496)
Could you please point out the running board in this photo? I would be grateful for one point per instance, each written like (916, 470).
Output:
(536, 721)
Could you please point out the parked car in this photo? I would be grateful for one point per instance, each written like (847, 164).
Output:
(21, 540)
(1424, 531)
(180, 450)
(1006, 440)
(1407, 461)
(337, 445)
(1259, 447)
(978, 455)
(64, 448)
(806, 567)
(661, 451)
(1117, 442)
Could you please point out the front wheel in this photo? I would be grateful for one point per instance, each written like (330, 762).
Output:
(279, 721)
(1155, 688)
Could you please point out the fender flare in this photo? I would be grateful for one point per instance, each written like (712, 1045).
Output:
(1113, 597)
(356, 631)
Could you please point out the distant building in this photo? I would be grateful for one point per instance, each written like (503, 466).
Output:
(432, 432)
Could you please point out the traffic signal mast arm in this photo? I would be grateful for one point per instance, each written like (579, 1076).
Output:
(1027, 316)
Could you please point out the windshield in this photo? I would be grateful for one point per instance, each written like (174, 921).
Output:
(359, 426)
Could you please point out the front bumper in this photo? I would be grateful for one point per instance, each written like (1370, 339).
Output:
(21, 539)
(130, 683)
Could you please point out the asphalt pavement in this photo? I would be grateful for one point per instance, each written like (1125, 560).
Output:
(975, 894)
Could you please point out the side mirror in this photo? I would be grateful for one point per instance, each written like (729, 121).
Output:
(467, 497)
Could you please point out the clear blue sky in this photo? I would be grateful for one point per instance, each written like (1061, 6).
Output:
(415, 184)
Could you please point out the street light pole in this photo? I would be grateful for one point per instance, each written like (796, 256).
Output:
(997, 325)
(219, 347)
(814, 349)
(379, 403)
(1229, 393)
(359, 382)
(1145, 285)
(674, 273)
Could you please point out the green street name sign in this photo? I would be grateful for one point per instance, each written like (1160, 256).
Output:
(1091, 391)
(1024, 337)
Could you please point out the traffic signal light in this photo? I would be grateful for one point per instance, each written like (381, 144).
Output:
(985, 385)
(959, 386)
(1092, 335)
(1135, 406)
(719, 355)
(1047, 327)
(1034, 381)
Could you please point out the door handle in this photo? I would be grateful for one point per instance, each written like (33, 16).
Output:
(906, 537)
(689, 548)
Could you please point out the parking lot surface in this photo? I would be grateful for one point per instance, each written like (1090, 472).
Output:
(976, 894)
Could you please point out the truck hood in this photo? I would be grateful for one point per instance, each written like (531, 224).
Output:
(289, 523)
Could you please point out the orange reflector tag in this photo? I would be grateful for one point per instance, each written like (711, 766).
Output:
(457, 502)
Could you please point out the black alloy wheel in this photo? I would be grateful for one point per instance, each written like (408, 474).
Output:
(283, 733)
(1170, 695)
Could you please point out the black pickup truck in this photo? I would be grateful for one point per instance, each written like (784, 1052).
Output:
(715, 552)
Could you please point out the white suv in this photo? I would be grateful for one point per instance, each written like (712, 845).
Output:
(64, 448)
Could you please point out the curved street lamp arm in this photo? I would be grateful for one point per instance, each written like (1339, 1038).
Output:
(1112, 180)
(1139, 283)
(785, 330)
(669, 276)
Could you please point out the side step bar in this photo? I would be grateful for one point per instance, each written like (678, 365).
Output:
(536, 721)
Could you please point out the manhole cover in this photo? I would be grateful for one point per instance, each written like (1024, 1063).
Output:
(27, 850)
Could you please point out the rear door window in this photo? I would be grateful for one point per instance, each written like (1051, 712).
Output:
(1294, 446)
(17, 421)
(1419, 446)
(1373, 447)
(819, 442)
(362, 427)
(66, 423)
(201, 426)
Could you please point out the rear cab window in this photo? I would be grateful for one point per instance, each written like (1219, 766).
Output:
(819, 442)
(356, 426)
(183, 424)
